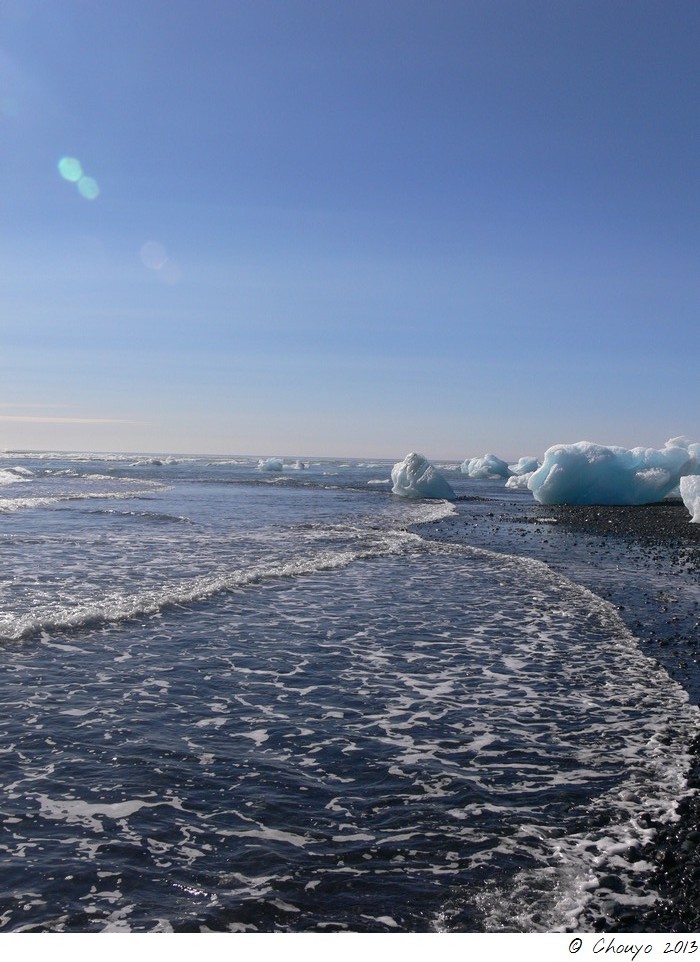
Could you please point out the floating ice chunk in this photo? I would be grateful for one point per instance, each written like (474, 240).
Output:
(487, 467)
(519, 482)
(524, 465)
(586, 473)
(415, 477)
(690, 492)
(299, 466)
(270, 464)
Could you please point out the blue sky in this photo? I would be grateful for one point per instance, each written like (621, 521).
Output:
(349, 228)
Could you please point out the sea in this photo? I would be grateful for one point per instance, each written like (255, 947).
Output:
(245, 700)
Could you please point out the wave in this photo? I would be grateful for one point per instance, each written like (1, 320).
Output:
(66, 456)
(116, 608)
(13, 475)
(570, 893)
(17, 504)
(143, 515)
(563, 883)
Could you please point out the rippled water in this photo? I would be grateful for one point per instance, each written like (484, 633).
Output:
(239, 702)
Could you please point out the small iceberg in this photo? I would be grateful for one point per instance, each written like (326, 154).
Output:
(484, 468)
(270, 464)
(519, 482)
(524, 465)
(690, 492)
(415, 477)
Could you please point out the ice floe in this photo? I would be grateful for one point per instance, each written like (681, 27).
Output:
(690, 492)
(519, 482)
(525, 465)
(487, 467)
(416, 477)
(587, 473)
(270, 464)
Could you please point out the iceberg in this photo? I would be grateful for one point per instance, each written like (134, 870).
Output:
(524, 465)
(270, 464)
(519, 482)
(587, 473)
(487, 467)
(690, 492)
(415, 477)
(693, 449)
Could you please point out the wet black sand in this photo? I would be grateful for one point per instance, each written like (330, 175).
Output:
(665, 526)
(645, 560)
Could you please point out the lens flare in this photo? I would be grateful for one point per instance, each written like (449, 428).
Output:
(70, 169)
(155, 258)
(88, 188)
(153, 255)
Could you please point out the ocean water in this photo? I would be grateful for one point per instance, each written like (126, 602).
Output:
(241, 700)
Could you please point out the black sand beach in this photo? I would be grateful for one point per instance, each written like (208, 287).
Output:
(663, 533)
(645, 560)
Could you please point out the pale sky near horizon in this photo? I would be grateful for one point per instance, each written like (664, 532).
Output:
(348, 228)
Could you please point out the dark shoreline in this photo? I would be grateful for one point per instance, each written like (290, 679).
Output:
(637, 558)
(666, 523)
(676, 849)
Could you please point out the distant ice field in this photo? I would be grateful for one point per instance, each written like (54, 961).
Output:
(238, 704)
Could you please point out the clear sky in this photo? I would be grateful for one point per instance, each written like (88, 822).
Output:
(358, 227)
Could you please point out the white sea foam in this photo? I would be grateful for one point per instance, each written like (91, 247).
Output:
(92, 814)
(116, 607)
(13, 475)
(559, 893)
(18, 504)
(440, 704)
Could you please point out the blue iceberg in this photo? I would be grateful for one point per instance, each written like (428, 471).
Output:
(270, 464)
(587, 473)
(525, 465)
(415, 477)
(487, 467)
